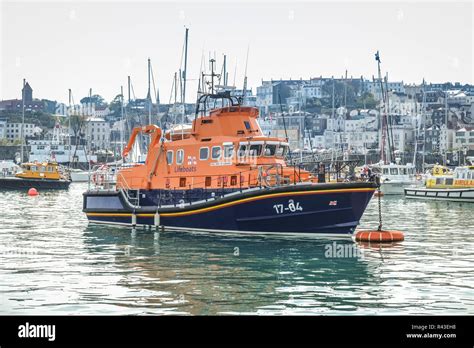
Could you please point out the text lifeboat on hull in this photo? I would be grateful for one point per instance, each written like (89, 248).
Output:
(222, 174)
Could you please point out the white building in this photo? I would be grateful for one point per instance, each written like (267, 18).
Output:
(101, 111)
(403, 136)
(3, 129)
(98, 133)
(265, 96)
(464, 139)
(446, 137)
(13, 130)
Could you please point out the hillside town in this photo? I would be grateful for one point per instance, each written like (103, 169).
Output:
(320, 115)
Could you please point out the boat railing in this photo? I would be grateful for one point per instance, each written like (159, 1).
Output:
(122, 186)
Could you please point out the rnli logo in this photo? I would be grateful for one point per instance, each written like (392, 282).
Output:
(192, 160)
(333, 203)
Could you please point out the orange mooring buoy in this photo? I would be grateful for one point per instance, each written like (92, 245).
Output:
(33, 192)
(379, 236)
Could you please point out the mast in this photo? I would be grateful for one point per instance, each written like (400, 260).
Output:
(445, 159)
(149, 91)
(121, 120)
(225, 70)
(129, 83)
(185, 65)
(22, 119)
(245, 76)
(382, 117)
(69, 125)
(423, 106)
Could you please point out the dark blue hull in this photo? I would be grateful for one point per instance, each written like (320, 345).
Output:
(299, 209)
(10, 183)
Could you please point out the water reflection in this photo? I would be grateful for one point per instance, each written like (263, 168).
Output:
(203, 274)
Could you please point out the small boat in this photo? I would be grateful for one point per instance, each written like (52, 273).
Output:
(39, 175)
(394, 178)
(223, 175)
(8, 168)
(443, 185)
(78, 175)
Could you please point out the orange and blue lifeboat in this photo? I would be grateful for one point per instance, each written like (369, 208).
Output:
(221, 174)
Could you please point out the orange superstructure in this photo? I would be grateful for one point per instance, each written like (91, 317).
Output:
(223, 149)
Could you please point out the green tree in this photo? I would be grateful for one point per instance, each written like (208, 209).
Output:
(95, 99)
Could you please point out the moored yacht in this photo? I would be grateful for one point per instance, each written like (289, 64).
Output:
(224, 175)
(394, 178)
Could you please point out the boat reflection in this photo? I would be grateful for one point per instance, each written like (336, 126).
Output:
(176, 272)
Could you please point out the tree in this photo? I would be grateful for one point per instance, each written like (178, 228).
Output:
(115, 105)
(95, 99)
(366, 101)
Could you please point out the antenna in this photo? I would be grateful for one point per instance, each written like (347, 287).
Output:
(185, 65)
(245, 75)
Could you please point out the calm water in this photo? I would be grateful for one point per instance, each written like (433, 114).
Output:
(53, 262)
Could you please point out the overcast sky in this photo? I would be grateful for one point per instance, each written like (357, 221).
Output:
(79, 45)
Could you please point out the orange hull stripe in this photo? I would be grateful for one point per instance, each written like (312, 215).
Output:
(244, 200)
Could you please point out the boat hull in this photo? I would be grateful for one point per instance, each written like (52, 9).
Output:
(79, 176)
(454, 195)
(333, 209)
(13, 183)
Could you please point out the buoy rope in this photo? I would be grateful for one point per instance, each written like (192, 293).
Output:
(380, 209)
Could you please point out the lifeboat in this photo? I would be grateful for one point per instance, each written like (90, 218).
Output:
(221, 174)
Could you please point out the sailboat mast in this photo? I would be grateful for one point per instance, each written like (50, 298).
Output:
(22, 120)
(382, 117)
(129, 83)
(69, 126)
(121, 121)
(424, 126)
(445, 158)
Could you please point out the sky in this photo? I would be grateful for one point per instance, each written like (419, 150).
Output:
(97, 44)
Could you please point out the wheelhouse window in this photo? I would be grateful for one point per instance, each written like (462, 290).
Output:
(179, 157)
(255, 150)
(169, 157)
(216, 152)
(385, 171)
(242, 150)
(228, 151)
(270, 150)
(203, 153)
(393, 171)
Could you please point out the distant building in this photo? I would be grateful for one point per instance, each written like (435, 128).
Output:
(3, 130)
(13, 130)
(101, 111)
(98, 133)
(464, 139)
(27, 91)
(17, 104)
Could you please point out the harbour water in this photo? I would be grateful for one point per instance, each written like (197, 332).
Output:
(52, 262)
